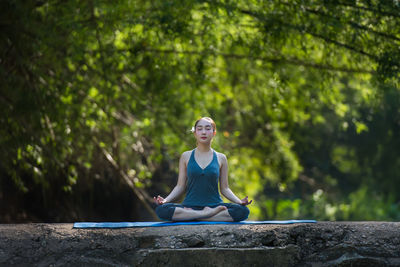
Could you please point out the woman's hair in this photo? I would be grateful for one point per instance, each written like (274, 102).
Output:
(207, 119)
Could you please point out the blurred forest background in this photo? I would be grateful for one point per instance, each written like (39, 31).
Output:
(98, 98)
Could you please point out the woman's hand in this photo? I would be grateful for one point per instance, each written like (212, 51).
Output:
(159, 200)
(245, 201)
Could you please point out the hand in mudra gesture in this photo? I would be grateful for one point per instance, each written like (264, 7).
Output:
(245, 201)
(159, 200)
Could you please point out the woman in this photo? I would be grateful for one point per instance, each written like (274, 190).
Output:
(200, 170)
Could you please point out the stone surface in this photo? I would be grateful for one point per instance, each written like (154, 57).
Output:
(320, 244)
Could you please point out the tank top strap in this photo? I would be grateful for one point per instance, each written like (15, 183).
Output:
(192, 159)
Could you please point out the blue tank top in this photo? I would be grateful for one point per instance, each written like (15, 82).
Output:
(202, 184)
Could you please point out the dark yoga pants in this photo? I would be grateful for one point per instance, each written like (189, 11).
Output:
(236, 211)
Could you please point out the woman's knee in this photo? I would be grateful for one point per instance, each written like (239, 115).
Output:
(165, 211)
(238, 212)
(243, 213)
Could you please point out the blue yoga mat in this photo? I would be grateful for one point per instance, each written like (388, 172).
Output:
(160, 224)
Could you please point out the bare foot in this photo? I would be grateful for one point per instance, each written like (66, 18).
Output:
(210, 212)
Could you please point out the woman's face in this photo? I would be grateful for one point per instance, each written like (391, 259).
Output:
(204, 131)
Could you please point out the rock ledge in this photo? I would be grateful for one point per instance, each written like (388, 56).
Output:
(318, 244)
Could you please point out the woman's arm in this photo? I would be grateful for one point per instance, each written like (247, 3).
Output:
(180, 187)
(224, 185)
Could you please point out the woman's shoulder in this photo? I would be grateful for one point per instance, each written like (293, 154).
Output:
(221, 156)
(186, 155)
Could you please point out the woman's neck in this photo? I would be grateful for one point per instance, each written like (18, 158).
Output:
(203, 147)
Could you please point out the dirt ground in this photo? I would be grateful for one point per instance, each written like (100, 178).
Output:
(306, 244)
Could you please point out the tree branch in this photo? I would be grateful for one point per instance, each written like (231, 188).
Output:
(304, 30)
(355, 25)
(291, 61)
(141, 194)
(375, 11)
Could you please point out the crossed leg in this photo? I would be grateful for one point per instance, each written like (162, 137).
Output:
(219, 213)
(222, 216)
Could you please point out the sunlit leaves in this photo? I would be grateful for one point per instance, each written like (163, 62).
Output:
(296, 88)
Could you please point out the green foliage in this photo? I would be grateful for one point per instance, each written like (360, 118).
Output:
(305, 95)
